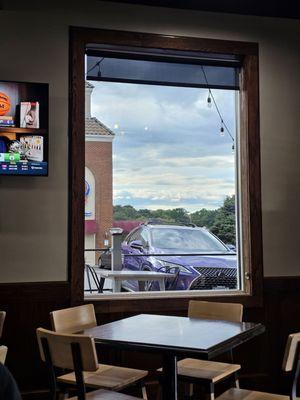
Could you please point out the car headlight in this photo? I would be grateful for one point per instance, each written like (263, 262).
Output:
(168, 264)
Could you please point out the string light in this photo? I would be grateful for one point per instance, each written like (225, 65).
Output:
(99, 71)
(210, 101)
(222, 128)
(96, 65)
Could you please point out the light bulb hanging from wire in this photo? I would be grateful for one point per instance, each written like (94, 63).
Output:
(209, 102)
(222, 128)
(212, 101)
(97, 64)
(99, 71)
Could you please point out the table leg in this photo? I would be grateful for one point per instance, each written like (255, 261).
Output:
(169, 391)
(116, 285)
(119, 286)
(162, 286)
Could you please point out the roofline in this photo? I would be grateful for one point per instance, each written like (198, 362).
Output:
(99, 138)
(96, 120)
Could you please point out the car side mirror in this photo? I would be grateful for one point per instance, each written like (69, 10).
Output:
(136, 244)
(231, 247)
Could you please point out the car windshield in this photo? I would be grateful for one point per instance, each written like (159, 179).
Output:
(183, 240)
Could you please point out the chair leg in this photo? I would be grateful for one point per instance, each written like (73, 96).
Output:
(189, 391)
(236, 380)
(144, 391)
(63, 391)
(159, 389)
(159, 393)
(212, 391)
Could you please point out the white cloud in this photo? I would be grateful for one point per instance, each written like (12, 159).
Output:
(180, 160)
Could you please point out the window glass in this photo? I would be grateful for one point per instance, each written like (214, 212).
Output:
(135, 236)
(145, 237)
(186, 240)
(159, 72)
(163, 158)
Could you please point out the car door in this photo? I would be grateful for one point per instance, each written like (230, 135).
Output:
(131, 255)
(132, 259)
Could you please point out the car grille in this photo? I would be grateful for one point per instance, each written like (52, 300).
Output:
(215, 278)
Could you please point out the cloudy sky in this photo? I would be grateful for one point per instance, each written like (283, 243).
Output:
(168, 151)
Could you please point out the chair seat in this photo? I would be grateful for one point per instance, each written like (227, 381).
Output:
(106, 395)
(107, 376)
(241, 394)
(3, 352)
(206, 370)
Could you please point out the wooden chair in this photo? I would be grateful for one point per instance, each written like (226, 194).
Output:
(76, 319)
(74, 352)
(3, 349)
(3, 352)
(209, 373)
(291, 363)
(215, 311)
(2, 319)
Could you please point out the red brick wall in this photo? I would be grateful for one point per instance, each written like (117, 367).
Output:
(98, 158)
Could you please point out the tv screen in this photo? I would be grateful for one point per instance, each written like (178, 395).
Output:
(23, 128)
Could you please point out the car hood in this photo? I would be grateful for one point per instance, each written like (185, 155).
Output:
(220, 261)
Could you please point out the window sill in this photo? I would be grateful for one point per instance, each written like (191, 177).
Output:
(168, 302)
(164, 295)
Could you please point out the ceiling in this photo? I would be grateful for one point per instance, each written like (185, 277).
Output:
(283, 9)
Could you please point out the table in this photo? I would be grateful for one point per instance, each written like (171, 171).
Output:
(141, 276)
(172, 337)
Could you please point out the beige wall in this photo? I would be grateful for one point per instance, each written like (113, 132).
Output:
(34, 47)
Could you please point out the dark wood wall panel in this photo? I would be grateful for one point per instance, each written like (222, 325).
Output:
(28, 307)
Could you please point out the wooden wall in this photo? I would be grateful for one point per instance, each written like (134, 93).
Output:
(28, 306)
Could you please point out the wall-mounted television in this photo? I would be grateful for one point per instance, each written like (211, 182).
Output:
(24, 128)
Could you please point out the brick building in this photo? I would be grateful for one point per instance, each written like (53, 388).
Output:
(98, 179)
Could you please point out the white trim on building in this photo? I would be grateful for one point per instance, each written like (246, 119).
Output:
(99, 138)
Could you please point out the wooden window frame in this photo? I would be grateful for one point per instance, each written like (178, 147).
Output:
(250, 190)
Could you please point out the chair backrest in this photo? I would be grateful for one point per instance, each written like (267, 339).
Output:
(2, 318)
(232, 312)
(290, 352)
(74, 319)
(3, 352)
(61, 349)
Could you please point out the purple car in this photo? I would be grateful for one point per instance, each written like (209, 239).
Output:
(195, 258)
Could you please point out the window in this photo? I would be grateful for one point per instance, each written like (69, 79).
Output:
(191, 240)
(219, 234)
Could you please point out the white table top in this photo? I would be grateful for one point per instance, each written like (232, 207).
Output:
(133, 274)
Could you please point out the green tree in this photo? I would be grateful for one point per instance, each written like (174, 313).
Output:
(145, 213)
(179, 215)
(204, 217)
(125, 213)
(160, 214)
(224, 224)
